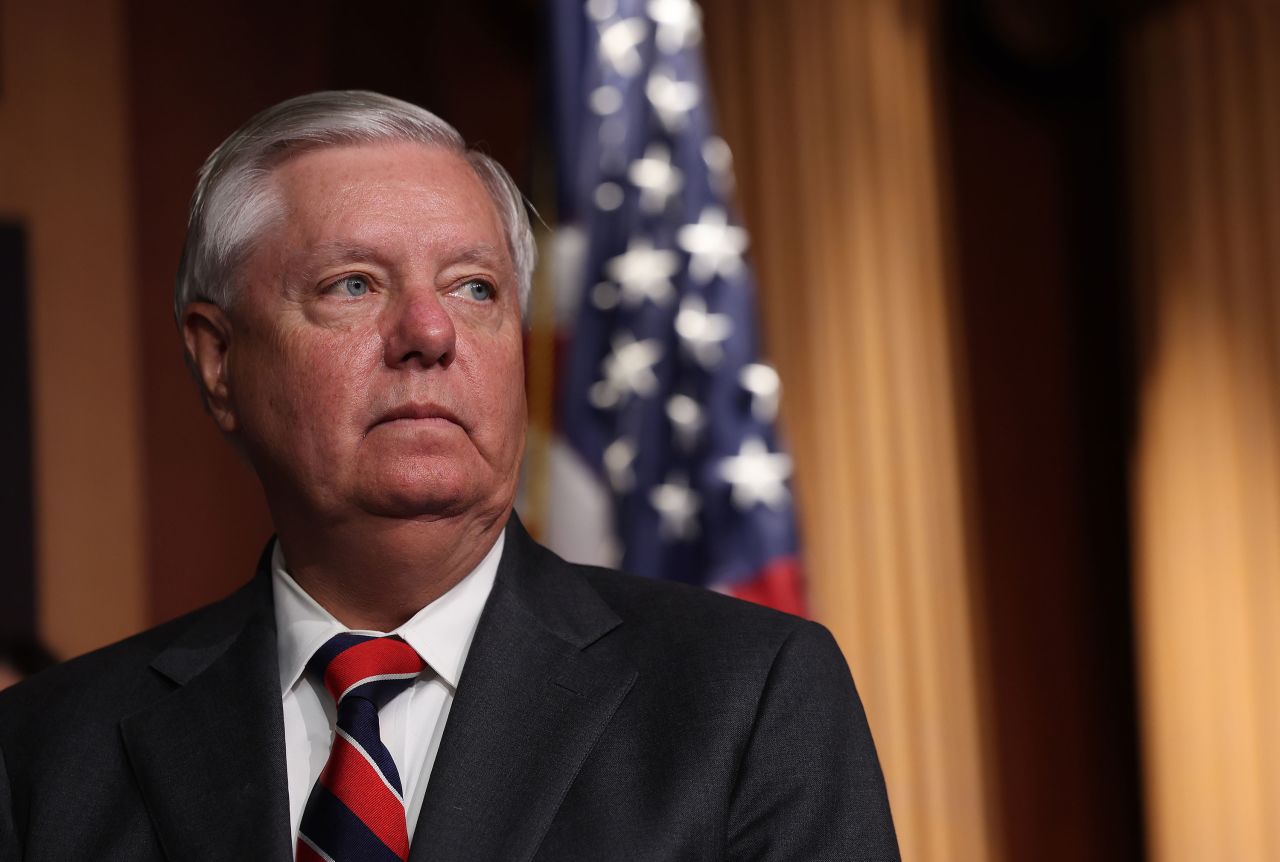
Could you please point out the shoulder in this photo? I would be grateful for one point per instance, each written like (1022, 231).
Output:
(84, 675)
(695, 634)
(669, 609)
(652, 621)
(65, 722)
(97, 689)
(751, 699)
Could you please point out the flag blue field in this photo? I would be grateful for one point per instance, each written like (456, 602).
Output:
(664, 396)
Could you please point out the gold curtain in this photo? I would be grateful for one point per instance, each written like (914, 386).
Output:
(1205, 87)
(829, 109)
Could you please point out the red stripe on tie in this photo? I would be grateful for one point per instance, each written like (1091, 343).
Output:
(369, 658)
(355, 781)
(306, 854)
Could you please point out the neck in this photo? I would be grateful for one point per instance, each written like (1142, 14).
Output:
(377, 573)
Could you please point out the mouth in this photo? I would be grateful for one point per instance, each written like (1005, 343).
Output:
(418, 412)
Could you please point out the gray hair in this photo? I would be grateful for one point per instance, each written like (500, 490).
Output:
(233, 202)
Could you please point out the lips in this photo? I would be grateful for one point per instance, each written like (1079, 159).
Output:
(417, 411)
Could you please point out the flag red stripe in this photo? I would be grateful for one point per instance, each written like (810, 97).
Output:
(778, 585)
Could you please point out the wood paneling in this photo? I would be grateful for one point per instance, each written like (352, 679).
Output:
(64, 174)
(198, 70)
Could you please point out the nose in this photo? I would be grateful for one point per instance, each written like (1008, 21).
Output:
(419, 331)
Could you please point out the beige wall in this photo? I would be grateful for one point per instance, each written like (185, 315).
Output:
(64, 173)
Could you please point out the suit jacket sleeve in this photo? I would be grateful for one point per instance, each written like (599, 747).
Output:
(810, 787)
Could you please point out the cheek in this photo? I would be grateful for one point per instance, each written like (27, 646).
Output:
(312, 382)
(516, 413)
(496, 376)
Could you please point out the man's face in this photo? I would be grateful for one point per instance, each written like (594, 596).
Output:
(374, 362)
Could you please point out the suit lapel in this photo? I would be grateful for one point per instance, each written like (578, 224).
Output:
(209, 757)
(529, 708)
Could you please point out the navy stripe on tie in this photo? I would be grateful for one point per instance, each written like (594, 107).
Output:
(359, 718)
(333, 828)
(380, 691)
(330, 649)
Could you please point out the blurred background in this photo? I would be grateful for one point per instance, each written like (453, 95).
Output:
(1016, 264)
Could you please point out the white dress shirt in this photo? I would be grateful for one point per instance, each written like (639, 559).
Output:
(412, 722)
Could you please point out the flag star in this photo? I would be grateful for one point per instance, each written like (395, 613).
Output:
(609, 196)
(715, 246)
(655, 176)
(687, 420)
(718, 158)
(612, 136)
(679, 23)
(701, 332)
(604, 296)
(717, 155)
(605, 99)
(765, 387)
(677, 505)
(644, 272)
(620, 45)
(757, 475)
(672, 99)
(601, 10)
(618, 459)
(628, 370)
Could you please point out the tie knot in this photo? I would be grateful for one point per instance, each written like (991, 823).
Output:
(366, 666)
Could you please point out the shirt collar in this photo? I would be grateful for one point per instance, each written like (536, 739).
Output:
(440, 633)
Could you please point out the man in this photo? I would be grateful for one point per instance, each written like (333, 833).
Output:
(350, 299)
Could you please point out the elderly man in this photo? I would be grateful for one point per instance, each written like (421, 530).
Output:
(410, 676)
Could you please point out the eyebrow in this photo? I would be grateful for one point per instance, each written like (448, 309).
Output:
(329, 250)
(480, 254)
(339, 249)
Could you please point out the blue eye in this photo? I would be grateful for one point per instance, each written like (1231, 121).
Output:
(476, 289)
(353, 285)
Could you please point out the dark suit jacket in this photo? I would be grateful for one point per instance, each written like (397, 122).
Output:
(599, 717)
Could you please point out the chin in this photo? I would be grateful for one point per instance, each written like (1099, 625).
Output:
(422, 493)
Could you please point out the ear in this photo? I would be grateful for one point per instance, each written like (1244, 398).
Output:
(206, 331)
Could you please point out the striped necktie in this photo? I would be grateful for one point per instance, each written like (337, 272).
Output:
(356, 809)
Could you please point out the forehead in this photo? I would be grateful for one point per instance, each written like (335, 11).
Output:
(384, 192)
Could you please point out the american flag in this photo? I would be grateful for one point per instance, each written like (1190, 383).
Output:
(664, 393)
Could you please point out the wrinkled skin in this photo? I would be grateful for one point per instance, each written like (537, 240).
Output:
(371, 366)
